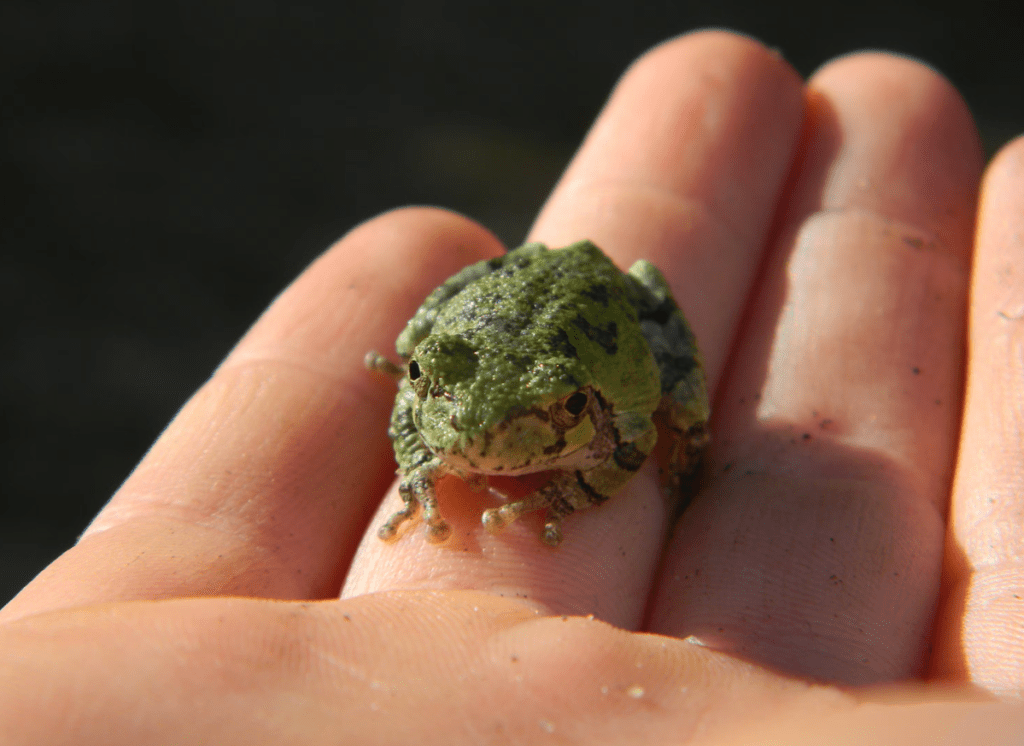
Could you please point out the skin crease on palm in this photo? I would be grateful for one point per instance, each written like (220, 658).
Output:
(841, 578)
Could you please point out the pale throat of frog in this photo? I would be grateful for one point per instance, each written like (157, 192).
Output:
(526, 445)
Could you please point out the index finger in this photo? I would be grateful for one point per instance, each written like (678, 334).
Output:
(264, 482)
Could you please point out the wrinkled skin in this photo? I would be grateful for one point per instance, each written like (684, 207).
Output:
(840, 539)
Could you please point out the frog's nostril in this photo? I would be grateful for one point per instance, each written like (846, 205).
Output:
(414, 370)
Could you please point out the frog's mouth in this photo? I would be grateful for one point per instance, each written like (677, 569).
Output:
(522, 444)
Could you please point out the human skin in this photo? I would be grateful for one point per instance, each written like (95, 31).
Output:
(840, 578)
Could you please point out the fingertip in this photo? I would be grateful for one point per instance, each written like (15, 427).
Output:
(881, 108)
(714, 43)
(433, 227)
(999, 230)
(870, 79)
(1004, 175)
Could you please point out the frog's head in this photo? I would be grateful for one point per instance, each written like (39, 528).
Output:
(508, 412)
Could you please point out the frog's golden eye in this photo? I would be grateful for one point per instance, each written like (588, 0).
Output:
(420, 382)
(568, 412)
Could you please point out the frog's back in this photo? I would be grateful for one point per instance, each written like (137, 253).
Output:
(530, 291)
(566, 308)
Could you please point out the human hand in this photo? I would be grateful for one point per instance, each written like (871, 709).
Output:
(814, 554)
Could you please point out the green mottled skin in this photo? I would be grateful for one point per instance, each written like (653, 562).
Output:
(542, 360)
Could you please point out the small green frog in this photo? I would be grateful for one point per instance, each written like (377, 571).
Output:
(542, 360)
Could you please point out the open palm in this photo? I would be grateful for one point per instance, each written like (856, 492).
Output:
(820, 238)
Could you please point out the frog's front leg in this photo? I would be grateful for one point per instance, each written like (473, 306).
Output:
(373, 360)
(569, 491)
(559, 497)
(420, 470)
(389, 531)
(416, 489)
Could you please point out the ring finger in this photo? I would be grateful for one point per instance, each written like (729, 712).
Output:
(818, 547)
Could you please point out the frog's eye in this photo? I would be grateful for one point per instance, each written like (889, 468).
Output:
(420, 383)
(576, 403)
(567, 412)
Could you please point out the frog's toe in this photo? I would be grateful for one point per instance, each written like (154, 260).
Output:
(493, 520)
(438, 532)
(552, 533)
(373, 360)
(388, 532)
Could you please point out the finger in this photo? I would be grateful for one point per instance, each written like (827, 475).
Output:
(684, 167)
(421, 668)
(264, 482)
(817, 549)
(910, 719)
(980, 624)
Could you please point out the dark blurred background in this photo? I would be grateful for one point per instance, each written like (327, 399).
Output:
(167, 168)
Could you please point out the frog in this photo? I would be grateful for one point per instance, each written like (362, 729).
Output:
(542, 360)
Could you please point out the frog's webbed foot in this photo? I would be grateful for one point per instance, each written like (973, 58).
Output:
(389, 531)
(417, 489)
(437, 527)
(547, 498)
(495, 519)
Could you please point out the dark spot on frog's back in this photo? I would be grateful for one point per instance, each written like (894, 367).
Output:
(674, 367)
(513, 263)
(559, 343)
(607, 336)
(598, 293)
(518, 362)
(509, 326)
(660, 314)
